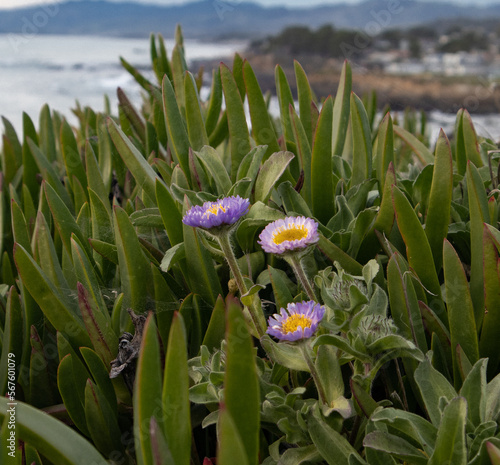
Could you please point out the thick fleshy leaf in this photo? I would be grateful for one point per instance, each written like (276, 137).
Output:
(49, 174)
(215, 103)
(385, 148)
(433, 386)
(488, 344)
(51, 437)
(19, 225)
(451, 444)
(342, 344)
(241, 384)
(209, 157)
(159, 447)
(281, 291)
(460, 310)
(230, 448)
(334, 447)
(194, 120)
(305, 98)
(421, 151)
(494, 453)
(135, 161)
(71, 155)
(175, 396)
(404, 302)
(64, 220)
(478, 210)
(135, 273)
(102, 423)
(408, 424)
(41, 393)
(321, 166)
(285, 99)
(270, 173)
(341, 110)
(98, 324)
(12, 341)
(172, 218)
(474, 392)
(304, 153)
(466, 144)
(328, 369)
(418, 250)
(66, 383)
(262, 127)
(361, 142)
(396, 446)
(61, 313)
(238, 129)
(102, 225)
(147, 391)
(284, 354)
(30, 168)
(334, 253)
(217, 326)
(438, 213)
(179, 68)
(141, 80)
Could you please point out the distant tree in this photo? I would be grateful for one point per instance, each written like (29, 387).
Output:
(465, 42)
(422, 32)
(415, 47)
(323, 39)
(393, 36)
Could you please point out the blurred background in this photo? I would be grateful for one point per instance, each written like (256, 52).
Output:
(435, 56)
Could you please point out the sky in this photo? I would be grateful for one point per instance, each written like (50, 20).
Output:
(7, 4)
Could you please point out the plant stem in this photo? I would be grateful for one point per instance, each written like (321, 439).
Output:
(304, 346)
(255, 312)
(296, 265)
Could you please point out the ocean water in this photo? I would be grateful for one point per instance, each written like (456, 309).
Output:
(59, 70)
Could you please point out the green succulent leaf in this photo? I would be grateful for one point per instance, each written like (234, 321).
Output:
(147, 391)
(433, 386)
(460, 309)
(334, 447)
(270, 173)
(51, 437)
(241, 384)
(438, 213)
(451, 444)
(231, 448)
(262, 127)
(175, 395)
(321, 166)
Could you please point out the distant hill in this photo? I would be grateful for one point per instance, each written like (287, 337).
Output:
(219, 19)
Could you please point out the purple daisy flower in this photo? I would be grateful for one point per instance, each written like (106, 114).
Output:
(289, 234)
(213, 214)
(299, 321)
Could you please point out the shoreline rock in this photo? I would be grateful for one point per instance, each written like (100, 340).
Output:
(422, 92)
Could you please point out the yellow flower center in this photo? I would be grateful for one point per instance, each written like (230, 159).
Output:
(214, 210)
(294, 321)
(293, 233)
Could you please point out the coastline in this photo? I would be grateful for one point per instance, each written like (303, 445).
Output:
(422, 92)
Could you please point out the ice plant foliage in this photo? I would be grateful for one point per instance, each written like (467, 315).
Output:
(225, 211)
(289, 234)
(299, 321)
